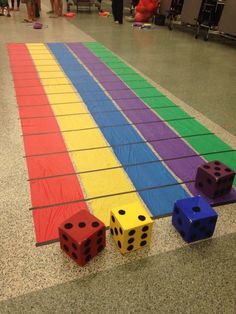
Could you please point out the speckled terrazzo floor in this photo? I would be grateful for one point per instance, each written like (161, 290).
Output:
(171, 277)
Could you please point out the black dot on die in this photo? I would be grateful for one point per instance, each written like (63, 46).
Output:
(200, 184)
(131, 240)
(119, 244)
(113, 218)
(100, 248)
(88, 258)
(145, 228)
(141, 217)
(217, 163)
(121, 212)
(179, 221)
(74, 246)
(143, 243)
(209, 181)
(130, 247)
(196, 209)
(64, 237)
(228, 170)
(66, 248)
(144, 235)
(82, 224)
(99, 240)
(112, 232)
(68, 225)
(121, 231)
(95, 224)
(217, 168)
(74, 255)
(116, 231)
(87, 243)
(206, 166)
(217, 174)
(132, 232)
(87, 250)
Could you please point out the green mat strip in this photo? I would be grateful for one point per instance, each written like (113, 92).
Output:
(152, 97)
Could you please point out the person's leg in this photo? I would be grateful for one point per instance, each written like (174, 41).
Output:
(60, 7)
(120, 7)
(12, 4)
(18, 5)
(114, 9)
(30, 11)
(52, 7)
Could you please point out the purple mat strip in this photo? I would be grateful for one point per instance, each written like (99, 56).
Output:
(185, 169)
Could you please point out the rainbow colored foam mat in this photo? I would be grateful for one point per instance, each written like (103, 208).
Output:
(97, 135)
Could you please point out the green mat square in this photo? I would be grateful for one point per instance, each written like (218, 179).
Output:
(117, 65)
(159, 102)
(104, 54)
(147, 92)
(171, 113)
(108, 60)
(131, 77)
(139, 84)
(207, 143)
(92, 44)
(188, 127)
(124, 71)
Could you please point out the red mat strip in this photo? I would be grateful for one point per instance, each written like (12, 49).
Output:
(54, 190)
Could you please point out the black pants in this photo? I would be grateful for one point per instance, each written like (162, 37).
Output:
(117, 10)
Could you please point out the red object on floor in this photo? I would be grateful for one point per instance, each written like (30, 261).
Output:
(82, 237)
(47, 220)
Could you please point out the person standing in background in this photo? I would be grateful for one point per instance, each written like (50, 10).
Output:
(13, 5)
(117, 10)
(52, 5)
(57, 8)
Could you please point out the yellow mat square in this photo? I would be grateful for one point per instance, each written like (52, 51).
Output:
(55, 74)
(45, 62)
(106, 182)
(85, 139)
(64, 98)
(69, 108)
(57, 89)
(76, 122)
(48, 68)
(55, 81)
(92, 160)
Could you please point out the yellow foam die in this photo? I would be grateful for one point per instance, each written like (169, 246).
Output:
(57, 89)
(69, 108)
(35, 45)
(44, 62)
(48, 68)
(106, 182)
(131, 227)
(38, 51)
(64, 98)
(92, 160)
(84, 139)
(55, 81)
(101, 207)
(55, 74)
(76, 122)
